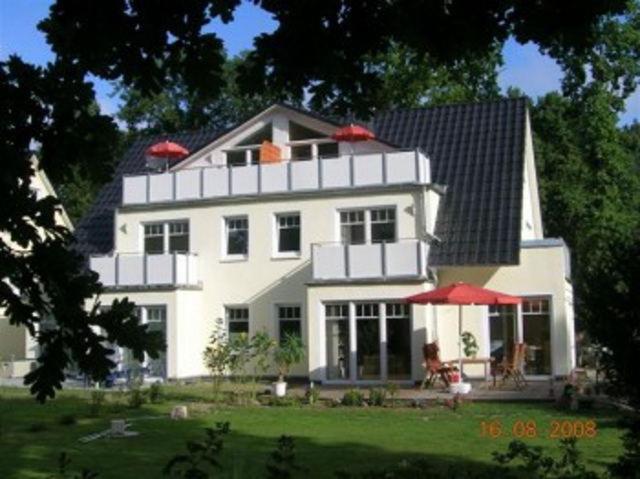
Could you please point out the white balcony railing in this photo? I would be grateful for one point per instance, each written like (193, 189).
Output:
(375, 169)
(137, 269)
(403, 259)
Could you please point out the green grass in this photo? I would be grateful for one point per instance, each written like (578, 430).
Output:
(327, 439)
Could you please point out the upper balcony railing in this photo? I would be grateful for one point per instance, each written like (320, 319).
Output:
(347, 171)
(337, 261)
(139, 269)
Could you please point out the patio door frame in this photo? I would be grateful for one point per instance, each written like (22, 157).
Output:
(519, 333)
(353, 342)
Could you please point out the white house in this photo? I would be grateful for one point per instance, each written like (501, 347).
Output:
(18, 349)
(274, 226)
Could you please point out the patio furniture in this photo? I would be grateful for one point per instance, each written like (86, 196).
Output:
(512, 367)
(486, 362)
(434, 367)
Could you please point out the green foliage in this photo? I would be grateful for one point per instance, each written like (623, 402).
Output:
(469, 343)
(392, 391)
(262, 345)
(289, 352)
(201, 457)
(38, 426)
(217, 356)
(312, 394)
(96, 402)
(156, 394)
(282, 464)
(377, 396)
(533, 463)
(136, 397)
(353, 397)
(64, 461)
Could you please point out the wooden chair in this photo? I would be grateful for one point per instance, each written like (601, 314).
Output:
(512, 367)
(433, 367)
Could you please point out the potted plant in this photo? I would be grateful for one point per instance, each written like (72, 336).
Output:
(470, 345)
(289, 352)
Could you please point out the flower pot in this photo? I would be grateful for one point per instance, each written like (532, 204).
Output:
(460, 388)
(280, 389)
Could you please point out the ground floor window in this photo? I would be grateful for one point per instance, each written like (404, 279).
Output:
(368, 341)
(237, 321)
(289, 321)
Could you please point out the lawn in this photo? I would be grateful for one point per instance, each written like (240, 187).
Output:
(327, 439)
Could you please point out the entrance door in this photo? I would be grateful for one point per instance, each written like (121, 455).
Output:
(398, 341)
(536, 333)
(368, 341)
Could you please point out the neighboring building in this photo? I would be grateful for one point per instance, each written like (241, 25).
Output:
(326, 239)
(18, 349)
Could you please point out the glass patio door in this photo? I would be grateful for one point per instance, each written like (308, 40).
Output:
(536, 333)
(337, 341)
(398, 322)
(368, 341)
(502, 331)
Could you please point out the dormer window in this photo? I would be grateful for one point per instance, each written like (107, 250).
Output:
(306, 143)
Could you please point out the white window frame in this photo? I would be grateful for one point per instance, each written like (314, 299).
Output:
(278, 319)
(165, 233)
(367, 221)
(225, 256)
(228, 321)
(276, 253)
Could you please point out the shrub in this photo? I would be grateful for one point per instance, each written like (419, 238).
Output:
(312, 395)
(136, 397)
(286, 401)
(392, 391)
(289, 352)
(67, 420)
(96, 401)
(156, 393)
(281, 464)
(377, 396)
(353, 397)
(201, 456)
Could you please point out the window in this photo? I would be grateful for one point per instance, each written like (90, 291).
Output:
(301, 152)
(247, 151)
(236, 158)
(156, 321)
(263, 134)
(289, 321)
(237, 231)
(352, 227)
(383, 225)
(502, 331)
(154, 238)
(536, 333)
(298, 132)
(237, 321)
(337, 341)
(328, 150)
(179, 237)
(368, 226)
(288, 232)
(177, 240)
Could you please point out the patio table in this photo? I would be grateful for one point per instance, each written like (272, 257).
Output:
(486, 362)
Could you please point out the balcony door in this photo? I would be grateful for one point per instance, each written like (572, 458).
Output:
(367, 342)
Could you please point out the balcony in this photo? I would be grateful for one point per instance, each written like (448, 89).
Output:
(354, 171)
(402, 260)
(146, 270)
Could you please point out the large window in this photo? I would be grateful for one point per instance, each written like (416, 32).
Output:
(375, 225)
(237, 236)
(156, 319)
(166, 237)
(368, 341)
(237, 321)
(398, 321)
(288, 233)
(247, 151)
(502, 331)
(536, 333)
(289, 321)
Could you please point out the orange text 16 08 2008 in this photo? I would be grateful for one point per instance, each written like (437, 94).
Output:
(529, 429)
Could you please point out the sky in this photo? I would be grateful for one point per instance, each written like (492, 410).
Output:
(525, 67)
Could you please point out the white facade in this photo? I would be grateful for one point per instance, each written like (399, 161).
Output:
(327, 245)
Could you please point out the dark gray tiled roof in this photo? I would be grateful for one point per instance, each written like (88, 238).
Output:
(476, 151)
(94, 233)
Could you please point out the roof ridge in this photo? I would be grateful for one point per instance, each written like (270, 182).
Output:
(462, 103)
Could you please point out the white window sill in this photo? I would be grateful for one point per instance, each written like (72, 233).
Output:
(234, 258)
(287, 255)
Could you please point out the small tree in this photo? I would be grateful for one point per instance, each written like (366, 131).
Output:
(288, 353)
(217, 358)
(201, 457)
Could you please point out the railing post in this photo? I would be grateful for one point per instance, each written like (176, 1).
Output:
(174, 269)
(201, 186)
(186, 259)
(117, 270)
(230, 180)
(347, 269)
(320, 179)
(384, 168)
(259, 178)
(145, 269)
(148, 188)
(174, 186)
(351, 171)
(417, 163)
(383, 258)
(419, 253)
(289, 179)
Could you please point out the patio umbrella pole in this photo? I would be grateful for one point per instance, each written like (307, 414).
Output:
(460, 341)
